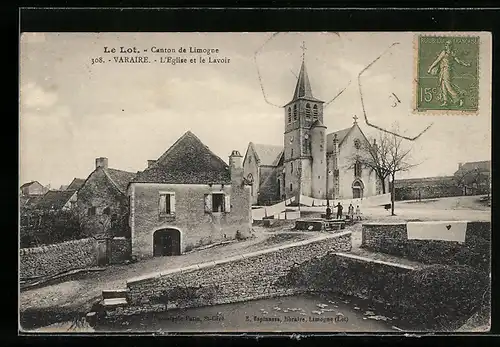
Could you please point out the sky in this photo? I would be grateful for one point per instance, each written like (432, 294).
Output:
(73, 111)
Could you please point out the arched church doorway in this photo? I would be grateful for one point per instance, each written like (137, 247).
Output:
(357, 189)
(166, 242)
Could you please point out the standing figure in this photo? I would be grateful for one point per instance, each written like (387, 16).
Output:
(443, 65)
(350, 211)
(339, 211)
(358, 213)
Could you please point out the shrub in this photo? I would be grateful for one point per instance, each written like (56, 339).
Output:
(47, 227)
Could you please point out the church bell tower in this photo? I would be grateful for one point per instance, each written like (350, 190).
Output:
(301, 113)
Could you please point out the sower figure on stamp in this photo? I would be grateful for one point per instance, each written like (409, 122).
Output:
(448, 91)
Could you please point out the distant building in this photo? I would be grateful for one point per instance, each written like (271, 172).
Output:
(310, 162)
(188, 197)
(33, 188)
(474, 177)
(102, 200)
(57, 200)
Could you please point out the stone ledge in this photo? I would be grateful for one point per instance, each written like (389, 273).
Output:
(371, 260)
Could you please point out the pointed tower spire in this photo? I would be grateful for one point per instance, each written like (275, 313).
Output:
(303, 87)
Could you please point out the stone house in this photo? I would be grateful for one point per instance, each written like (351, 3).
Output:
(33, 188)
(311, 162)
(186, 198)
(102, 201)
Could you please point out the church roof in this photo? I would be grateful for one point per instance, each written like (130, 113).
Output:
(303, 88)
(317, 123)
(268, 155)
(187, 161)
(341, 135)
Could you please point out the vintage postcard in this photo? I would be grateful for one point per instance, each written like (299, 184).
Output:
(255, 182)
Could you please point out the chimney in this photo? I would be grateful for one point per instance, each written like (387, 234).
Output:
(151, 162)
(460, 165)
(235, 160)
(101, 162)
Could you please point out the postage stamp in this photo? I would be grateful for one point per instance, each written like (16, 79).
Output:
(244, 183)
(447, 74)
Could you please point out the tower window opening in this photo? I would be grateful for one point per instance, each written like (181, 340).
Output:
(291, 167)
(289, 115)
(294, 112)
(308, 111)
(291, 152)
(315, 110)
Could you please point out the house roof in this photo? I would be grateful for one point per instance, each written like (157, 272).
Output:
(187, 161)
(120, 178)
(482, 165)
(55, 199)
(75, 184)
(29, 183)
(29, 201)
(268, 155)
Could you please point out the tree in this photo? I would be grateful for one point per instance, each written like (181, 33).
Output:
(386, 157)
(475, 178)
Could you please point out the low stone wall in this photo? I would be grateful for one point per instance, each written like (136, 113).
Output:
(393, 239)
(120, 250)
(58, 258)
(241, 278)
(432, 297)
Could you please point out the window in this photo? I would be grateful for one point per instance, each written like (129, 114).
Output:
(308, 111)
(357, 169)
(289, 115)
(291, 153)
(295, 112)
(217, 202)
(106, 211)
(91, 211)
(291, 167)
(315, 111)
(166, 204)
(357, 144)
(291, 187)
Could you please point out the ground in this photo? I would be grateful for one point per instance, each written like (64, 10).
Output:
(77, 294)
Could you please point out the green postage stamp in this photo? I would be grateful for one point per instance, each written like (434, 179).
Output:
(447, 74)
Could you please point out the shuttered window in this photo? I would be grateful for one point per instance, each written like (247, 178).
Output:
(217, 202)
(166, 204)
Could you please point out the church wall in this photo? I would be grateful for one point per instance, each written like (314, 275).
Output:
(269, 189)
(197, 227)
(346, 173)
(306, 182)
(318, 151)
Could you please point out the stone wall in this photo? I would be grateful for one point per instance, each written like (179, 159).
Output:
(252, 276)
(120, 250)
(393, 239)
(57, 258)
(432, 297)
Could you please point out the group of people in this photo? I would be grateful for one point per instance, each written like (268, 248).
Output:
(350, 212)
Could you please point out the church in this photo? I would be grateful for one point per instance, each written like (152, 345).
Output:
(311, 163)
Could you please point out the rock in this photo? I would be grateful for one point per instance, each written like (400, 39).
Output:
(317, 312)
(370, 313)
(276, 308)
(356, 308)
(285, 311)
(303, 313)
(327, 310)
(322, 305)
(396, 328)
